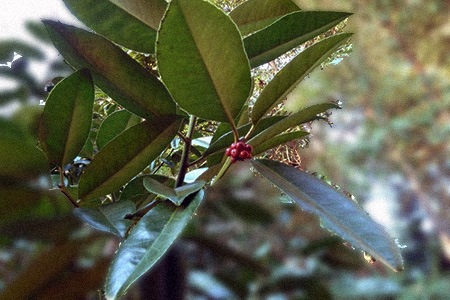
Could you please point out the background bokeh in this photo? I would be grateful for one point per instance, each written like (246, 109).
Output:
(389, 147)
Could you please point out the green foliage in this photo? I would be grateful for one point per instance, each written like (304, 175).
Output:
(138, 142)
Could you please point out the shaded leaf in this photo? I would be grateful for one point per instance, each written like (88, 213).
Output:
(115, 124)
(337, 212)
(176, 195)
(116, 73)
(126, 156)
(249, 211)
(129, 23)
(8, 47)
(67, 117)
(301, 117)
(147, 242)
(288, 32)
(137, 193)
(109, 217)
(254, 15)
(202, 60)
(294, 72)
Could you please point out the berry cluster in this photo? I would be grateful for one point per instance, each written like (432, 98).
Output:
(239, 151)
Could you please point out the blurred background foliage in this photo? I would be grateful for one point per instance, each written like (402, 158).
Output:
(389, 147)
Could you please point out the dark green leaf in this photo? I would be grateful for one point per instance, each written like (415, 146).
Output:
(248, 211)
(67, 117)
(303, 116)
(254, 15)
(109, 217)
(337, 212)
(116, 73)
(147, 242)
(294, 72)
(137, 193)
(176, 195)
(115, 124)
(202, 60)
(126, 156)
(129, 23)
(288, 32)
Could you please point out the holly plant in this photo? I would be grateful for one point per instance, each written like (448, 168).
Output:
(162, 102)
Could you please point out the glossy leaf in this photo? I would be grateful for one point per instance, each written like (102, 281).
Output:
(337, 212)
(146, 243)
(288, 32)
(279, 140)
(109, 217)
(294, 72)
(67, 117)
(254, 15)
(126, 156)
(202, 60)
(301, 117)
(176, 195)
(129, 23)
(115, 124)
(116, 73)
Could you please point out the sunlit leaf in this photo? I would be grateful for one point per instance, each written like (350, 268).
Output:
(109, 217)
(279, 140)
(146, 243)
(67, 117)
(337, 212)
(116, 73)
(288, 32)
(115, 124)
(202, 60)
(294, 72)
(176, 195)
(301, 117)
(127, 155)
(129, 23)
(254, 15)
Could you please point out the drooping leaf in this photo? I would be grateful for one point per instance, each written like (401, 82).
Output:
(115, 124)
(254, 15)
(301, 117)
(279, 140)
(109, 217)
(337, 212)
(202, 60)
(116, 73)
(176, 195)
(294, 72)
(126, 156)
(67, 117)
(288, 32)
(129, 23)
(146, 243)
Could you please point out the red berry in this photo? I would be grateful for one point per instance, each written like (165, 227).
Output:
(244, 154)
(233, 146)
(240, 146)
(234, 153)
(233, 159)
(249, 148)
(227, 152)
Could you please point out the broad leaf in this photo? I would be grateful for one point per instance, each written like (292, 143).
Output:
(116, 73)
(202, 60)
(126, 156)
(114, 124)
(294, 72)
(301, 117)
(146, 243)
(67, 117)
(109, 217)
(129, 23)
(176, 195)
(279, 140)
(288, 32)
(136, 192)
(337, 212)
(254, 15)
